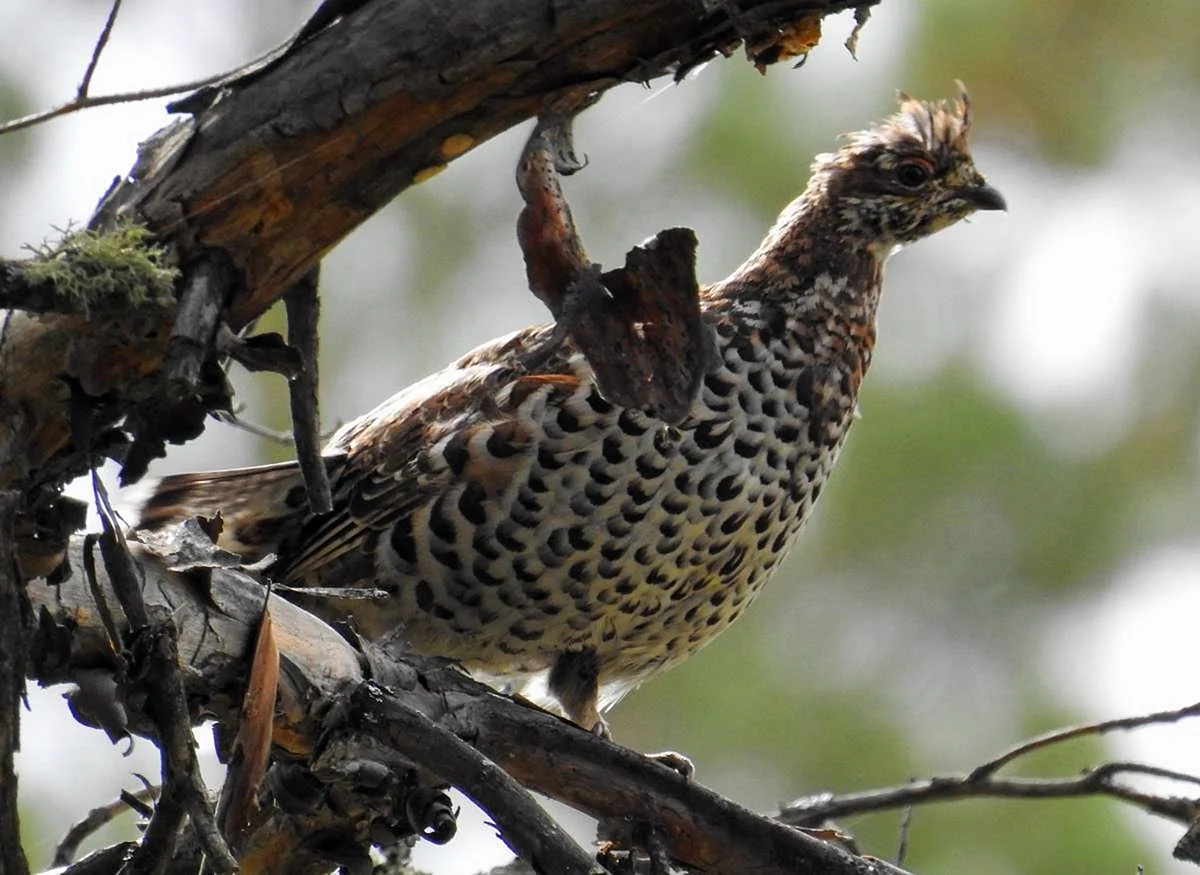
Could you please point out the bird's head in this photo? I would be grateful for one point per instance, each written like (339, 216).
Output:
(907, 177)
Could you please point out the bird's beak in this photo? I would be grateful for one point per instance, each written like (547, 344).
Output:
(982, 197)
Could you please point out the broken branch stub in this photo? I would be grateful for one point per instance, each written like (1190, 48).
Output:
(639, 326)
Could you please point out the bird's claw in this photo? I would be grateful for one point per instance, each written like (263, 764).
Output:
(676, 762)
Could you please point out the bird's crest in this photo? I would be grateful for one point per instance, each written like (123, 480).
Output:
(939, 128)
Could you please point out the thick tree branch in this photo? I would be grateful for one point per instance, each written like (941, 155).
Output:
(392, 93)
(360, 737)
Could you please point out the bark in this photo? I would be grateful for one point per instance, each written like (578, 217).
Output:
(13, 642)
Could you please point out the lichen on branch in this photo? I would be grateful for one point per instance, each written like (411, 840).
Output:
(87, 271)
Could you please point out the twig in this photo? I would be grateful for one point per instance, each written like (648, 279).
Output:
(283, 438)
(303, 310)
(80, 103)
(345, 593)
(233, 418)
(101, 41)
(97, 818)
(906, 817)
(184, 792)
(525, 825)
(1060, 735)
(1098, 781)
(982, 781)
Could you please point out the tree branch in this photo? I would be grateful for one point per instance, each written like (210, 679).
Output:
(360, 738)
(303, 310)
(982, 781)
(14, 634)
(87, 101)
(85, 83)
(1059, 736)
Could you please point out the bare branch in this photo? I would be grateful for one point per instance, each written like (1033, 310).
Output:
(376, 740)
(82, 92)
(982, 782)
(77, 104)
(276, 436)
(1060, 735)
(524, 824)
(303, 312)
(1097, 781)
(156, 660)
(98, 818)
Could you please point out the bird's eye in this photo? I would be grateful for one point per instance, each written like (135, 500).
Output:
(914, 174)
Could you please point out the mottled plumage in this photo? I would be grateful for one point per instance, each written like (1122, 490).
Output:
(527, 527)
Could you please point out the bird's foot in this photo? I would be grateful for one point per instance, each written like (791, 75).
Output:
(600, 729)
(676, 762)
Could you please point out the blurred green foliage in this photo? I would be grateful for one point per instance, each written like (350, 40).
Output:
(14, 148)
(1070, 74)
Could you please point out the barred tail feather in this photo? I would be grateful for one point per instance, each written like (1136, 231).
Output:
(259, 506)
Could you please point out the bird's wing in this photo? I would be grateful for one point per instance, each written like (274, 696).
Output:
(458, 426)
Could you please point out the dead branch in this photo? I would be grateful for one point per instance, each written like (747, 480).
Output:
(1059, 736)
(154, 658)
(14, 636)
(342, 739)
(88, 101)
(99, 817)
(85, 83)
(983, 781)
(303, 310)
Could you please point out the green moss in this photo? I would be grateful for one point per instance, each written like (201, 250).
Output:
(92, 270)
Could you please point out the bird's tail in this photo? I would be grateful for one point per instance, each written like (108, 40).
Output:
(259, 507)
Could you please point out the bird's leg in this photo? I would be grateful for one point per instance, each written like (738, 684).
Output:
(575, 682)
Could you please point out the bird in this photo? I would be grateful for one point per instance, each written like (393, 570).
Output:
(564, 547)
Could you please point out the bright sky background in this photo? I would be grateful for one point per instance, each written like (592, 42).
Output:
(1066, 267)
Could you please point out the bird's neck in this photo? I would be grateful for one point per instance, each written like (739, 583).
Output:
(808, 264)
